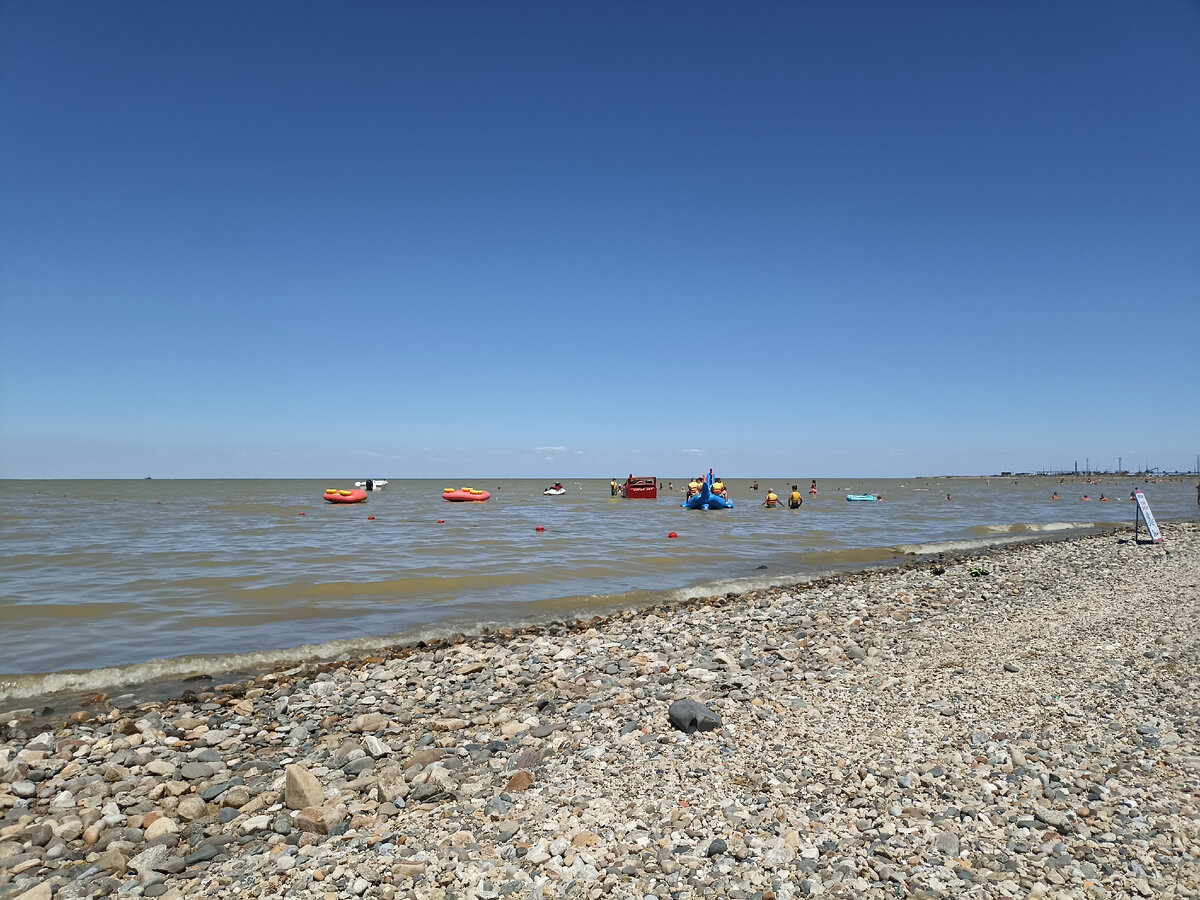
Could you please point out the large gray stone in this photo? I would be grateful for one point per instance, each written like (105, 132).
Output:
(690, 716)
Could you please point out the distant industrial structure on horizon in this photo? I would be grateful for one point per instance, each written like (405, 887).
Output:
(1119, 472)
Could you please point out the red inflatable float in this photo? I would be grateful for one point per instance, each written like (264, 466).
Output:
(334, 495)
(464, 495)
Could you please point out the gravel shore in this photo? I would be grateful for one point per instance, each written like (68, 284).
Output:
(1020, 723)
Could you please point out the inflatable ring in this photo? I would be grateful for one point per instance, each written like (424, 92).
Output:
(334, 495)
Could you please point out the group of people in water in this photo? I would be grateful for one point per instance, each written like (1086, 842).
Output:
(794, 501)
(1132, 496)
(717, 487)
(770, 501)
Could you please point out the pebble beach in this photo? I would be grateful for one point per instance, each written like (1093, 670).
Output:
(1021, 722)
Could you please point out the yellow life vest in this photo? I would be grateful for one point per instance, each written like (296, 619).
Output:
(718, 486)
(772, 497)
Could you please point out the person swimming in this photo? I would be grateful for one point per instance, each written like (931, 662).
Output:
(812, 488)
(795, 499)
(1055, 496)
(771, 500)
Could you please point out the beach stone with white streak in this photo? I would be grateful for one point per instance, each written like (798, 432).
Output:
(375, 747)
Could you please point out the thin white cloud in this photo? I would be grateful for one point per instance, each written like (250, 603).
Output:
(549, 449)
(375, 454)
(692, 451)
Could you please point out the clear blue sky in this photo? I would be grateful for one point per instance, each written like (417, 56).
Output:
(566, 239)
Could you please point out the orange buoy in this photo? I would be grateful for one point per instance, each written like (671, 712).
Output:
(672, 535)
(539, 528)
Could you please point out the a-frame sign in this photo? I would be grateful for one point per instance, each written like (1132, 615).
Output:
(1143, 512)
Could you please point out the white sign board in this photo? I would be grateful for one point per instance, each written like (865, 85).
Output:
(1144, 509)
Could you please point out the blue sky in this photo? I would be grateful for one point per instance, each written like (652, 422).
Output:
(558, 240)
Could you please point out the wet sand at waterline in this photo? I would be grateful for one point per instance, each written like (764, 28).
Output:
(1019, 722)
(106, 583)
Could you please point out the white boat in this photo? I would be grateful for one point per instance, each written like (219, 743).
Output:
(371, 484)
(555, 491)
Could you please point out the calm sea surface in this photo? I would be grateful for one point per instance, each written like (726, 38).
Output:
(154, 579)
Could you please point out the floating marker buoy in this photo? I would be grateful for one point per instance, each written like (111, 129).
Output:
(441, 521)
(672, 535)
(301, 513)
(370, 518)
(539, 528)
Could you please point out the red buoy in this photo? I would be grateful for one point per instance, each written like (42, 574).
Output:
(301, 513)
(370, 518)
(441, 521)
(672, 535)
(539, 528)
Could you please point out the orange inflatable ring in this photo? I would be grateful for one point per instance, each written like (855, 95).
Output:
(335, 495)
(464, 495)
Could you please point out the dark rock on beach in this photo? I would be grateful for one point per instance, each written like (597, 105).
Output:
(690, 716)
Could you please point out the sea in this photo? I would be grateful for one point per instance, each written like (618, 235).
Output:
(105, 584)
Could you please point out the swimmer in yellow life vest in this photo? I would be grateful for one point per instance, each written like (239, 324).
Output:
(795, 499)
(693, 488)
(718, 488)
(771, 500)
